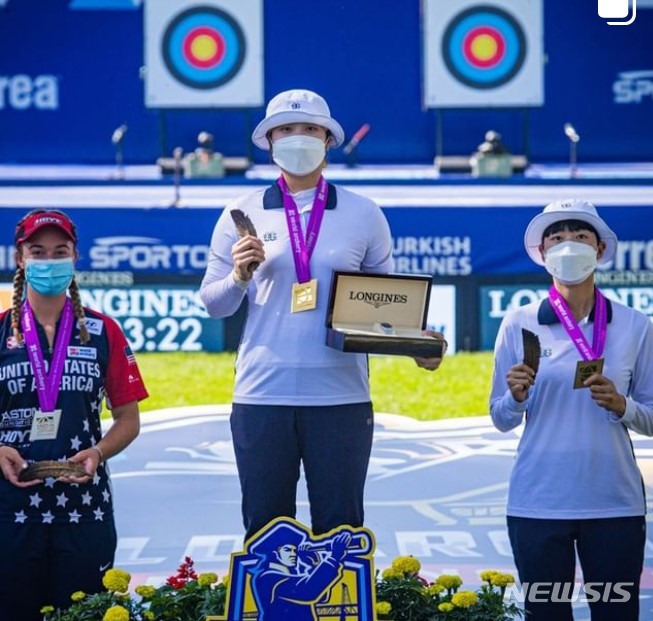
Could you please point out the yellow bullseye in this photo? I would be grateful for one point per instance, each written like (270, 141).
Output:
(484, 47)
(203, 47)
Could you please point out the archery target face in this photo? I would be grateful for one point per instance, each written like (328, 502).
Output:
(483, 54)
(203, 47)
(203, 54)
(484, 47)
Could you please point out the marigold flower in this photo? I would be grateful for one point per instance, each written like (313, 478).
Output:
(46, 610)
(502, 580)
(391, 574)
(116, 613)
(406, 564)
(464, 599)
(445, 607)
(488, 574)
(145, 591)
(449, 581)
(78, 596)
(383, 608)
(434, 589)
(116, 580)
(207, 579)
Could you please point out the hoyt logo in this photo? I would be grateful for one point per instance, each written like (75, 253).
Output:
(377, 299)
(20, 92)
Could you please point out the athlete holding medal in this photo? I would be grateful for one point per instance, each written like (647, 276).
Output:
(58, 361)
(575, 487)
(295, 399)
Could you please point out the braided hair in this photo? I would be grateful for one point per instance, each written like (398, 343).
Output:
(19, 285)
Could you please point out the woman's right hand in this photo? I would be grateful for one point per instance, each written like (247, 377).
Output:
(246, 252)
(11, 463)
(520, 378)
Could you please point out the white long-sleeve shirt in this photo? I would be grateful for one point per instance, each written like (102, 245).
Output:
(283, 358)
(575, 459)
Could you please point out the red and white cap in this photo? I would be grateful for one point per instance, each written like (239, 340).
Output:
(37, 220)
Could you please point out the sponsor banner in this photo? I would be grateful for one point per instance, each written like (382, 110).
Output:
(153, 318)
(497, 300)
(633, 87)
(442, 241)
(203, 54)
(159, 318)
(477, 54)
(22, 92)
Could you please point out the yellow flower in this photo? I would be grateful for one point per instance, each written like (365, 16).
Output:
(464, 599)
(46, 610)
(406, 564)
(488, 574)
(391, 574)
(445, 607)
(207, 579)
(116, 580)
(449, 581)
(145, 591)
(225, 579)
(116, 613)
(77, 596)
(383, 608)
(502, 580)
(434, 589)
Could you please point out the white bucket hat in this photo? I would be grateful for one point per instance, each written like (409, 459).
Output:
(296, 106)
(568, 209)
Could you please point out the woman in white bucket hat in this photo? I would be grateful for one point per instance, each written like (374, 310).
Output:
(581, 377)
(297, 401)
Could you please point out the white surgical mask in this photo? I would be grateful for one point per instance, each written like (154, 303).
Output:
(570, 262)
(298, 155)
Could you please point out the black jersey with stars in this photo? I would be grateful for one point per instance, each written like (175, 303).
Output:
(102, 368)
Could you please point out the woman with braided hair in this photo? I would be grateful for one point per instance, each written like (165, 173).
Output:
(58, 361)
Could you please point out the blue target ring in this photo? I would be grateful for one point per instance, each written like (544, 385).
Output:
(203, 47)
(484, 47)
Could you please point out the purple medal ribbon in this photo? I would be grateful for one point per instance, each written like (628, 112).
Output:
(47, 384)
(570, 324)
(302, 249)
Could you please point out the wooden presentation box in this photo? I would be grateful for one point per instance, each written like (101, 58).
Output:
(380, 314)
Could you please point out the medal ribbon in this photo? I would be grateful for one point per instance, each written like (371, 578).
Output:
(47, 384)
(302, 249)
(570, 324)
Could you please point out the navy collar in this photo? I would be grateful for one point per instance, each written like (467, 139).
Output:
(547, 316)
(273, 199)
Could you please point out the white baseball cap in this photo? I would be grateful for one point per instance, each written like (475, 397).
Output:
(568, 209)
(296, 106)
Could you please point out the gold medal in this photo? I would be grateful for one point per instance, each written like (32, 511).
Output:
(584, 369)
(304, 296)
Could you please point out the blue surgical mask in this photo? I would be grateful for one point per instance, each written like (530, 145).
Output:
(49, 276)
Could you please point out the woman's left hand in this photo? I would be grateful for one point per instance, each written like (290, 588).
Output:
(431, 364)
(605, 393)
(90, 459)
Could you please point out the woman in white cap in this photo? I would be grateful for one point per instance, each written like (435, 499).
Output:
(295, 399)
(575, 486)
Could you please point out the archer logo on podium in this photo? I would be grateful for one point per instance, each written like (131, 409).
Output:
(618, 12)
(286, 573)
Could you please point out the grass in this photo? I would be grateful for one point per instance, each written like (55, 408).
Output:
(459, 388)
